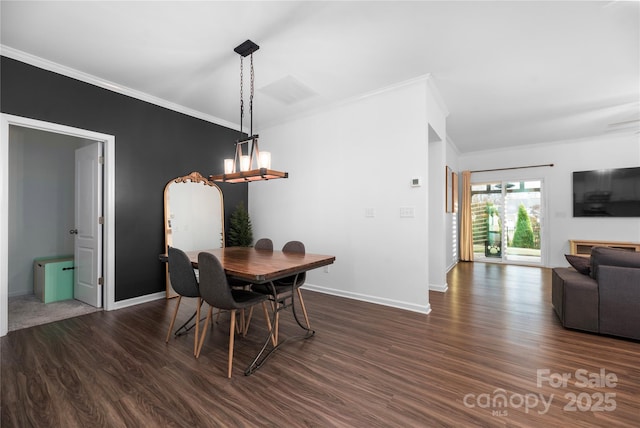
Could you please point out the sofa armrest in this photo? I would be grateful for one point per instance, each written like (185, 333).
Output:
(575, 299)
(619, 292)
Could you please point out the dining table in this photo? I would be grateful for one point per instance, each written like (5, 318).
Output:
(254, 266)
(262, 266)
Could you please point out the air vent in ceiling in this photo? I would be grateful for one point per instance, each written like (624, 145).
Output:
(288, 90)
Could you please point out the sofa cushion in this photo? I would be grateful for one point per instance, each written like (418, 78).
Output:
(612, 257)
(579, 263)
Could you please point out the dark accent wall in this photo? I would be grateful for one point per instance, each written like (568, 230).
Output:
(153, 145)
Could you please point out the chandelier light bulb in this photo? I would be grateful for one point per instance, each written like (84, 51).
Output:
(245, 163)
(265, 160)
(228, 166)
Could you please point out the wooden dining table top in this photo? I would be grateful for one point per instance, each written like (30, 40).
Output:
(260, 266)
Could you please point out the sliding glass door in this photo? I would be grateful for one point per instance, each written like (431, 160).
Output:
(507, 221)
(486, 215)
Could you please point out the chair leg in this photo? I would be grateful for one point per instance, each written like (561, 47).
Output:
(231, 337)
(239, 324)
(195, 339)
(266, 317)
(173, 320)
(204, 332)
(277, 321)
(247, 322)
(275, 306)
(246, 328)
(304, 309)
(242, 321)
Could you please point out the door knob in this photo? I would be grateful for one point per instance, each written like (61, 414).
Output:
(73, 231)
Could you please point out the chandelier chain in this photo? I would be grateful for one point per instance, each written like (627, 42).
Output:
(251, 95)
(241, 95)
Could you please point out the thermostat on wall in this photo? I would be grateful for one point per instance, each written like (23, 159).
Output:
(416, 182)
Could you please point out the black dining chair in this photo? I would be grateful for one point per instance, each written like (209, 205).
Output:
(284, 288)
(184, 282)
(261, 244)
(215, 290)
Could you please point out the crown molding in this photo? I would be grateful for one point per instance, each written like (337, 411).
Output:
(111, 86)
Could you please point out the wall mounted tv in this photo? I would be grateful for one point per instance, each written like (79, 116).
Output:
(607, 193)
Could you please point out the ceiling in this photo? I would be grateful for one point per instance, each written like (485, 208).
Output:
(509, 72)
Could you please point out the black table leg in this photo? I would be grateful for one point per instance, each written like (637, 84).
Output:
(264, 354)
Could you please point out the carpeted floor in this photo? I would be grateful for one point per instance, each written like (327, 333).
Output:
(27, 311)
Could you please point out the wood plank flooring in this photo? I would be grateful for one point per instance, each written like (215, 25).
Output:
(473, 361)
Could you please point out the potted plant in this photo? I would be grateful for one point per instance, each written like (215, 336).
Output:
(240, 231)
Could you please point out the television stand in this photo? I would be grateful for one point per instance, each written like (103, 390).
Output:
(583, 247)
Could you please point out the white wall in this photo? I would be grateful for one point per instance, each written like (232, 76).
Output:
(356, 157)
(614, 151)
(439, 240)
(41, 190)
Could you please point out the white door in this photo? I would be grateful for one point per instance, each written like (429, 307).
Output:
(88, 227)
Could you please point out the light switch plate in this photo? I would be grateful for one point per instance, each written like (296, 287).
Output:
(407, 212)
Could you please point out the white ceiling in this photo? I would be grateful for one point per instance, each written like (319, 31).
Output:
(509, 72)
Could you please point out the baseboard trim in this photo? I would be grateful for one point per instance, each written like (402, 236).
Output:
(19, 293)
(440, 288)
(120, 304)
(370, 299)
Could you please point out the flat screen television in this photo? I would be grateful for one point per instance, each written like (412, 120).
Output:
(607, 193)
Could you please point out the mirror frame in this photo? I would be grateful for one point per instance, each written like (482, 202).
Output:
(194, 177)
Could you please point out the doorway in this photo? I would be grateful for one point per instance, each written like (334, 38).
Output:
(42, 214)
(108, 250)
(507, 221)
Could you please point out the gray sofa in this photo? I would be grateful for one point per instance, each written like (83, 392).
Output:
(602, 295)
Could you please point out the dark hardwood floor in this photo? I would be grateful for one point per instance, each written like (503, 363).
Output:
(474, 361)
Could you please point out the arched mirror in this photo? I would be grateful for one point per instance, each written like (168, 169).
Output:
(193, 216)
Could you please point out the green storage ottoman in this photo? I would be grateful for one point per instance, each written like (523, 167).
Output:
(53, 278)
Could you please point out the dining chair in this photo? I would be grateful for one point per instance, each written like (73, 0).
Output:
(184, 282)
(261, 244)
(215, 290)
(264, 244)
(284, 288)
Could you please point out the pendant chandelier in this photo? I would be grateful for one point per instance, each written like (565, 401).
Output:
(249, 163)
